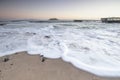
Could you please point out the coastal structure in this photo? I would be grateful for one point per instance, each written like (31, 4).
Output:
(111, 20)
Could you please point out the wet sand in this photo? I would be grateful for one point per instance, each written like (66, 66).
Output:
(21, 66)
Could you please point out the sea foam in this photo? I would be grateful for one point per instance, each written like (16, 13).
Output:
(91, 46)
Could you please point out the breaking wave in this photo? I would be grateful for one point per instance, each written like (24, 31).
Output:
(92, 46)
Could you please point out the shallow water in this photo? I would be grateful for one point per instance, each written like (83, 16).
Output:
(91, 46)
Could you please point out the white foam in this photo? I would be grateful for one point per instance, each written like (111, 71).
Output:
(45, 45)
(92, 46)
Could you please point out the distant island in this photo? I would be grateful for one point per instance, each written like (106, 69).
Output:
(53, 19)
(77, 20)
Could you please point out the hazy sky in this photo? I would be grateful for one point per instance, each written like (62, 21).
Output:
(63, 9)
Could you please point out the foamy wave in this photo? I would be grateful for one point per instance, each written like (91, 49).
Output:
(93, 47)
(45, 45)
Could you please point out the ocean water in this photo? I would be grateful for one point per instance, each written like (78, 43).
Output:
(91, 46)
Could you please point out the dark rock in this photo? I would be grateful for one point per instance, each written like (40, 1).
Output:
(2, 24)
(11, 64)
(34, 33)
(5, 59)
(16, 53)
(47, 36)
(42, 58)
(86, 48)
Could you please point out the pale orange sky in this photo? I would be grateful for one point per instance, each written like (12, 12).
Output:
(63, 9)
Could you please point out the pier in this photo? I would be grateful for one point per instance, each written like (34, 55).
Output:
(111, 20)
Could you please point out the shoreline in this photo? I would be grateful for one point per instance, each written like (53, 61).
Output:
(22, 66)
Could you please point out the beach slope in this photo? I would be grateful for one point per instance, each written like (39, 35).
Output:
(22, 66)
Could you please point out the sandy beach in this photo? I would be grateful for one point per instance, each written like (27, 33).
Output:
(22, 66)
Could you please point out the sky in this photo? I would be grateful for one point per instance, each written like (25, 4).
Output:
(61, 9)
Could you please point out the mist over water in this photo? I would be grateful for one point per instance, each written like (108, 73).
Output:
(91, 46)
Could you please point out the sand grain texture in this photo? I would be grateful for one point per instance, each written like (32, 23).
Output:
(22, 66)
